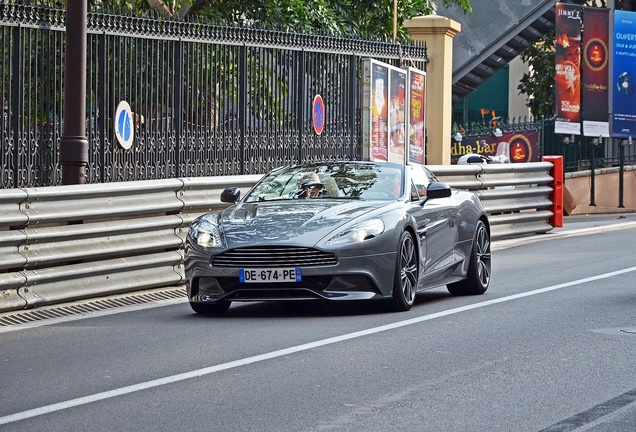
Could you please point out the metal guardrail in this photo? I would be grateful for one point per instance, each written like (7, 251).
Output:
(515, 196)
(66, 243)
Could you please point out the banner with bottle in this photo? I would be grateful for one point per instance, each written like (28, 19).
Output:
(595, 72)
(567, 69)
(624, 71)
(416, 137)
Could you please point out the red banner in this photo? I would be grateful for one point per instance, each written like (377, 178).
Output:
(417, 117)
(568, 69)
(516, 146)
(379, 113)
(595, 72)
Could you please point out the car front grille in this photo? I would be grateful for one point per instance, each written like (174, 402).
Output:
(274, 256)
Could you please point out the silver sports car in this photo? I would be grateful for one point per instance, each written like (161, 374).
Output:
(338, 231)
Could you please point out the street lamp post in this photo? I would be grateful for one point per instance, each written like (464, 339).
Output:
(74, 144)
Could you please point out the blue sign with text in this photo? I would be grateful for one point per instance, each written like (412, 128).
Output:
(623, 81)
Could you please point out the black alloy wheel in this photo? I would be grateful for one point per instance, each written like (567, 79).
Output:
(478, 276)
(405, 284)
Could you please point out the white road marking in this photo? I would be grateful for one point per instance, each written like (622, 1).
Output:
(291, 350)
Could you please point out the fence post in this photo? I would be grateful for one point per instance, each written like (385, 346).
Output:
(178, 104)
(301, 103)
(557, 190)
(621, 171)
(592, 172)
(105, 110)
(353, 62)
(243, 108)
(15, 108)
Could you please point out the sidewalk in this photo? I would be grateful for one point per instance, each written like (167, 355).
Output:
(595, 220)
(575, 226)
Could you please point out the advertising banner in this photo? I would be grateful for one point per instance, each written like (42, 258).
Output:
(623, 84)
(517, 146)
(567, 69)
(596, 72)
(397, 116)
(416, 139)
(384, 112)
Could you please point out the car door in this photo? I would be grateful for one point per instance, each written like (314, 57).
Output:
(435, 225)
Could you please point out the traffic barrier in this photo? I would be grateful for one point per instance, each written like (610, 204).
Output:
(556, 196)
(66, 243)
(517, 197)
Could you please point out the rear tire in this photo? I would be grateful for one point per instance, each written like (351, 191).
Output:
(478, 276)
(405, 283)
(211, 308)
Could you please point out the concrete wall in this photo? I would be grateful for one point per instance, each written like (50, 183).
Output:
(606, 187)
(517, 103)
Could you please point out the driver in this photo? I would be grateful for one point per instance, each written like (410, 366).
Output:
(309, 186)
(390, 182)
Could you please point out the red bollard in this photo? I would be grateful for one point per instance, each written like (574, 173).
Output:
(557, 190)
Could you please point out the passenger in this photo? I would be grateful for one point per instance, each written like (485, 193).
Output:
(309, 186)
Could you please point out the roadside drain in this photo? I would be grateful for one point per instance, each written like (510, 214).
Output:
(81, 308)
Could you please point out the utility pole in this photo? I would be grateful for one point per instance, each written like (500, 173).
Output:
(74, 144)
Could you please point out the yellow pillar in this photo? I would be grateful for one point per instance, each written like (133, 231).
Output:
(438, 33)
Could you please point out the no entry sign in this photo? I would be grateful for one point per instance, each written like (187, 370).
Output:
(318, 114)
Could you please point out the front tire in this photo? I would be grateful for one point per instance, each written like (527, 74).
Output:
(405, 283)
(211, 308)
(478, 276)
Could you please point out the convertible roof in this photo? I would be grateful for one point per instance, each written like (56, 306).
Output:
(492, 35)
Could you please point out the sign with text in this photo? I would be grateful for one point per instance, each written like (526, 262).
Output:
(383, 115)
(416, 138)
(595, 72)
(567, 69)
(519, 147)
(624, 70)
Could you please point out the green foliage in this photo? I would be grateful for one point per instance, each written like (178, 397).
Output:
(358, 18)
(538, 84)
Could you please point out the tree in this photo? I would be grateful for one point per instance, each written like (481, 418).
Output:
(360, 18)
(538, 84)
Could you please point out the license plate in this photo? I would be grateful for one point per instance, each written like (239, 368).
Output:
(265, 275)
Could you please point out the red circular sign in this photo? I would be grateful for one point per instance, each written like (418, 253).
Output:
(318, 114)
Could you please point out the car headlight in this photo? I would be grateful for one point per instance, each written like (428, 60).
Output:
(207, 235)
(359, 233)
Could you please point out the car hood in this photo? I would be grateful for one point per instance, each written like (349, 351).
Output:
(288, 222)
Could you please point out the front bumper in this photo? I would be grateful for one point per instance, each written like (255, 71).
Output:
(352, 278)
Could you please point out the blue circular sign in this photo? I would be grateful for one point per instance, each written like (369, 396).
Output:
(124, 125)
(318, 114)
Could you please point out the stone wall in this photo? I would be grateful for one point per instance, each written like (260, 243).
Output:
(578, 186)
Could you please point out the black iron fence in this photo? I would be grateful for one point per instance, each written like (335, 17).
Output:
(207, 100)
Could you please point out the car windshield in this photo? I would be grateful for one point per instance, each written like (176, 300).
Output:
(342, 180)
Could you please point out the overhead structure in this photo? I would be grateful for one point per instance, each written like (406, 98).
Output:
(492, 35)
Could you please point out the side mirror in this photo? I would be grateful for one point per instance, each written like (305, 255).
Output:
(231, 195)
(437, 190)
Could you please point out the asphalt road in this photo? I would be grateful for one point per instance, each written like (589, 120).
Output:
(550, 346)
